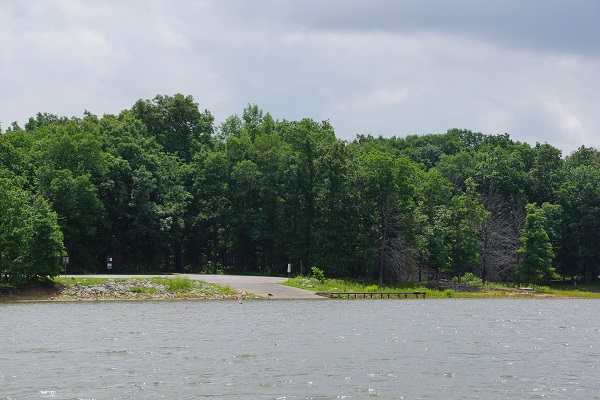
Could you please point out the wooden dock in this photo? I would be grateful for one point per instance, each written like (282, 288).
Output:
(372, 295)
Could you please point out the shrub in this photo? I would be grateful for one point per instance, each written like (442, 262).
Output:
(318, 274)
(468, 278)
(449, 293)
(471, 279)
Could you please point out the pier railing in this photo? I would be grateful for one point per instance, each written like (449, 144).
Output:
(372, 295)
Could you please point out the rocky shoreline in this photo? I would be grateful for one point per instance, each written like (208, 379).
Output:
(117, 289)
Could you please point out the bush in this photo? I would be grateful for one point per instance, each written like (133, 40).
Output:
(471, 279)
(449, 293)
(468, 279)
(318, 274)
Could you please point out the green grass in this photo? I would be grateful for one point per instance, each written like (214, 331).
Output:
(178, 283)
(185, 284)
(339, 285)
(74, 281)
(491, 290)
(143, 290)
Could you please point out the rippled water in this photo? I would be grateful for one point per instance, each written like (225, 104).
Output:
(339, 349)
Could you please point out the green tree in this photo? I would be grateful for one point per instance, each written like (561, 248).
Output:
(545, 173)
(211, 206)
(579, 197)
(435, 193)
(388, 189)
(82, 216)
(176, 123)
(535, 252)
(31, 241)
(465, 215)
(44, 242)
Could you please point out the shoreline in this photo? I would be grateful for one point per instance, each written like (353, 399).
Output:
(157, 288)
(116, 290)
(183, 296)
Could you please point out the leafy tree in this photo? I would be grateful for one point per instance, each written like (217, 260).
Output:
(435, 193)
(270, 155)
(245, 177)
(12, 230)
(44, 242)
(456, 168)
(545, 173)
(74, 145)
(579, 196)
(501, 173)
(301, 184)
(82, 216)
(536, 251)
(176, 123)
(388, 186)
(211, 207)
(29, 234)
(466, 213)
(10, 159)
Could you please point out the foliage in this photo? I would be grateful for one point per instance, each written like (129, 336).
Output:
(471, 279)
(535, 251)
(159, 188)
(318, 274)
(31, 241)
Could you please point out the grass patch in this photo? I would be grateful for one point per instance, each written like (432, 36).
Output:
(143, 290)
(175, 284)
(179, 283)
(489, 290)
(67, 282)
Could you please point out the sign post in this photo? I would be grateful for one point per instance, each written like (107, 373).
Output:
(65, 261)
(289, 270)
(109, 263)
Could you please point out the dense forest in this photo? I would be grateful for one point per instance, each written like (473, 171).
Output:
(160, 188)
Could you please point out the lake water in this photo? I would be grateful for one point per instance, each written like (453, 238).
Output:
(312, 349)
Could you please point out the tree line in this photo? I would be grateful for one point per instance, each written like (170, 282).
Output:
(161, 188)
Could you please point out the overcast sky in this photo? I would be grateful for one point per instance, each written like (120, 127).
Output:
(530, 68)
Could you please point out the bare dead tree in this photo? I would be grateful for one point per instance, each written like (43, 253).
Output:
(499, 240)
(395, 257)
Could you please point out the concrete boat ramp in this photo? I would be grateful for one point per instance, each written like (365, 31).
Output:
(259, 285)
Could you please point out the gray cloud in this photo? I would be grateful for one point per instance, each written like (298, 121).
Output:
(538, 24)
(381, 67)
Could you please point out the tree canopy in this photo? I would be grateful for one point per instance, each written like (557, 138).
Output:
(160, 187)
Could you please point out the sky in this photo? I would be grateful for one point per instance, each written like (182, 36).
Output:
(529, 68)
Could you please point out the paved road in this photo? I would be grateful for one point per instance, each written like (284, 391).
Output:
(259, 285)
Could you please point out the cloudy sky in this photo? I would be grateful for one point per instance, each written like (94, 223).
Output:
(530, 68)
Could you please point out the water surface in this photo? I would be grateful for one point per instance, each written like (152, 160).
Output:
(278, 349)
